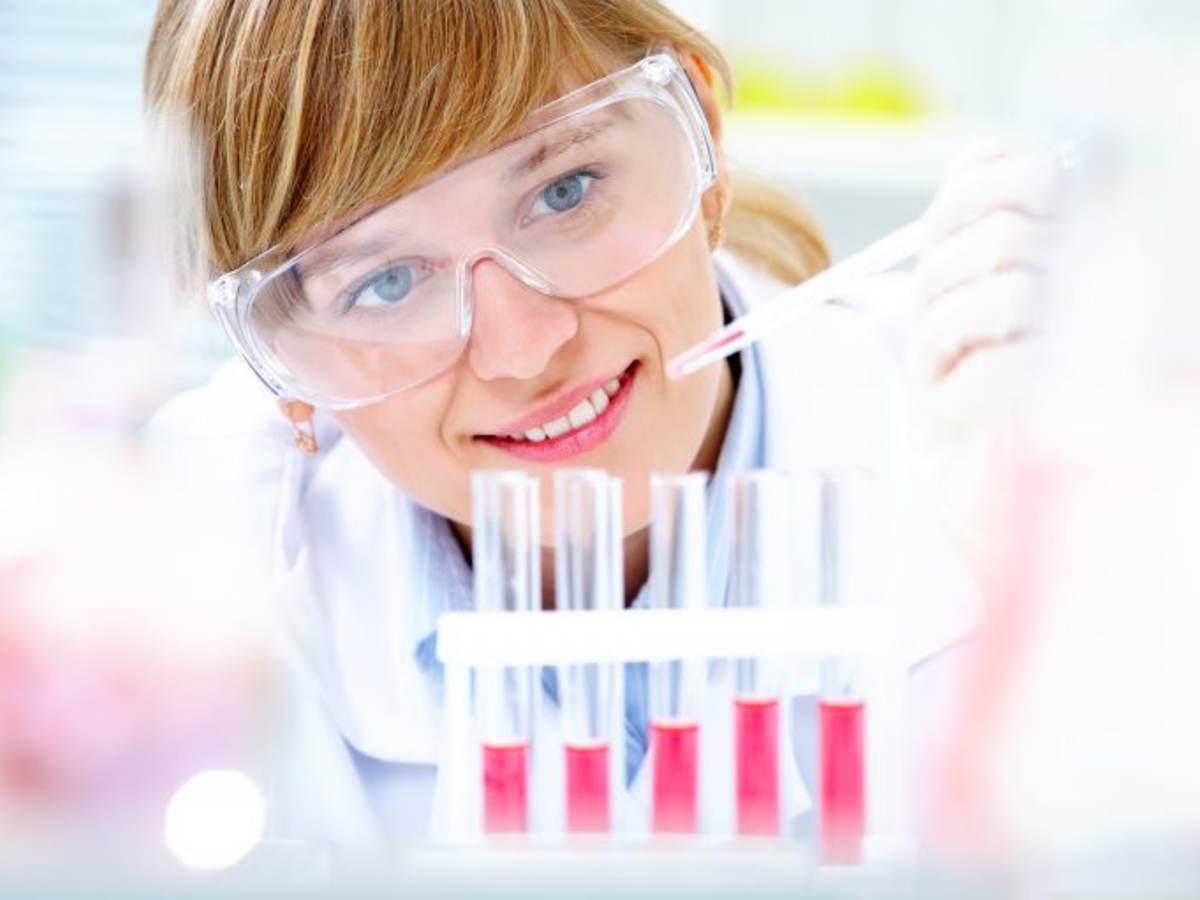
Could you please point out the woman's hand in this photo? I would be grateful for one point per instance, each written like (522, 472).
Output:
(978, 285)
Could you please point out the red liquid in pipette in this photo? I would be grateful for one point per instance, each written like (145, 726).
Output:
(587, 788)
(676, 750)
(735, 335)
(842, 797)
(756, 722)
(505, 787)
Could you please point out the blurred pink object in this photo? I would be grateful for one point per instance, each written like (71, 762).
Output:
(134, 649)
(967, 822)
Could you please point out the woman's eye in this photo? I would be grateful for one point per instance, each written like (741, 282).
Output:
(565, 194)
(388, 288)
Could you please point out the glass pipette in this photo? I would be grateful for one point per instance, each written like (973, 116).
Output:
(824, 287)
(831, 285)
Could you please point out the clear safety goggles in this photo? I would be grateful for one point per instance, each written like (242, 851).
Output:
(595, 186)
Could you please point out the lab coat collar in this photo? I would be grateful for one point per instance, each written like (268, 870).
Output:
(350, 569)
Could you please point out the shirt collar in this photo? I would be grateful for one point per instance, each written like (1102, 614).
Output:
(448, 577)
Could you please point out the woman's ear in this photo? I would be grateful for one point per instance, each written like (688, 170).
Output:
(716, 200)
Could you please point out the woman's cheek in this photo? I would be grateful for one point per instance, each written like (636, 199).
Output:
(404, 441)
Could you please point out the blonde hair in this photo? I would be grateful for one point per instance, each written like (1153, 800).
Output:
(303, 112)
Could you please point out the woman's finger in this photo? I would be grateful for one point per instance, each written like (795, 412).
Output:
(1003, 239)
(971, 191)
(982, 389)
(976, 153)
(974, 315)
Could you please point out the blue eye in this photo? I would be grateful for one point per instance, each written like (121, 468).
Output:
(565, 194)
(388, 288)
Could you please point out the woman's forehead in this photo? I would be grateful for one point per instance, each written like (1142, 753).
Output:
(512, 167)
(570, 77)
(529, 143)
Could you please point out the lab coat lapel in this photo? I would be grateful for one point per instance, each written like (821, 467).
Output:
(349, 589)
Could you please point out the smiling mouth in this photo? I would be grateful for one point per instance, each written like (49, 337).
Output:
(586, 425)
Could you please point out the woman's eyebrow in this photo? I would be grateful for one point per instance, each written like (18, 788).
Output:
(558, 145)
(327, 258)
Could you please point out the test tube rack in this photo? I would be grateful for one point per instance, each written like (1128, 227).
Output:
(468, 640)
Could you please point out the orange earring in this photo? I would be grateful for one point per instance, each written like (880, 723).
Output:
(716, 233)
(300, 415)
(716, 228)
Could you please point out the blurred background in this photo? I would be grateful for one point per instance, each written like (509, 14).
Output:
(857, 104)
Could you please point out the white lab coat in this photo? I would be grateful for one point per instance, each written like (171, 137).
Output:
(359, 741)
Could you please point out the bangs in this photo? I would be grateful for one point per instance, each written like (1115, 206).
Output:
(305, 113)
(392, 113)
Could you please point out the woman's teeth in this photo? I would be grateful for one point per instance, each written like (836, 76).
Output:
(581, 415)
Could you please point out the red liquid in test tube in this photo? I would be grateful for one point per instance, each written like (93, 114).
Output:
(587, 788)
(676, 751)
(756, 722)
(506, 787)
(842, 796)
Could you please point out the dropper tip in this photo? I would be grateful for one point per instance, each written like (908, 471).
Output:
(678, 368)
(728, 340)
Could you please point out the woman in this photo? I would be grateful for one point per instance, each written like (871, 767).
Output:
(470, 235)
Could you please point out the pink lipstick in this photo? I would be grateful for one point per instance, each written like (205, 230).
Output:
(580, 420)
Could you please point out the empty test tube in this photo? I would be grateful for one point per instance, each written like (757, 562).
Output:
(588, 574)
(507, 579)
(677, 581)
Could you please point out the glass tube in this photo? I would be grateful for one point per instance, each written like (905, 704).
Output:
(845, 527)
(505, 551)
(677, 581)
(588, 574)
(759, 577)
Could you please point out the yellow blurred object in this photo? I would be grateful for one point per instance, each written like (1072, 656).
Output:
(860, 89)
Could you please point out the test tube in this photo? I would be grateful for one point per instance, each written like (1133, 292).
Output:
(505, 549)
(845, 528)
(759, 576)
(677, 581)
(588, 567)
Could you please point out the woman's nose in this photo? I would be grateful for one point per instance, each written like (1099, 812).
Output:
(516, 330)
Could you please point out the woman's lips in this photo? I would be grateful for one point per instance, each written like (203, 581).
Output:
(578, 440)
